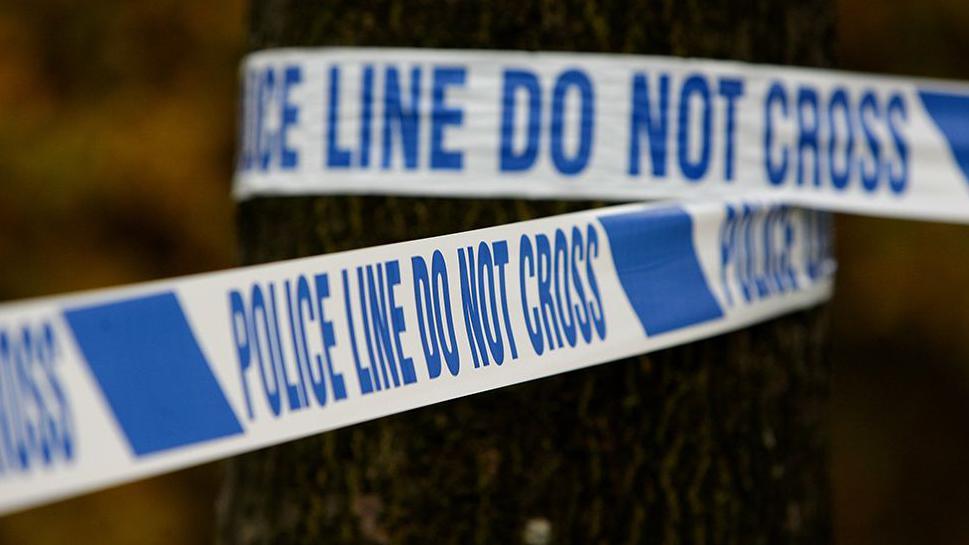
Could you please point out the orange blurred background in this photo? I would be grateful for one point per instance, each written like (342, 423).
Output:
(116, 145)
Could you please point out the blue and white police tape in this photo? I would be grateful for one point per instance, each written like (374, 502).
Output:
(109, 386)
(573, 125)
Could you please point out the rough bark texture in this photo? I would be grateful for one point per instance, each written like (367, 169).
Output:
(720, 441)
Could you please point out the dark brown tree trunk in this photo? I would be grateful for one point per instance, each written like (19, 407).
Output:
(720, 441)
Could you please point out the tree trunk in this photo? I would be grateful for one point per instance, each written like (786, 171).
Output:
(719, 441)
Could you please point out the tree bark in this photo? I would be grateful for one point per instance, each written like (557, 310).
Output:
(720, 441)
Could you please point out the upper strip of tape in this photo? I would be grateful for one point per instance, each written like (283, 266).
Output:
(621, 127)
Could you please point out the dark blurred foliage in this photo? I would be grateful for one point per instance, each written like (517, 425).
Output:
(116, 140)
(901, 320)
(116, 143)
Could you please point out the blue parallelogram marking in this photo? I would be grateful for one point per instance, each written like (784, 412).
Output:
(659, 270)
(951, 114)
(152, 372)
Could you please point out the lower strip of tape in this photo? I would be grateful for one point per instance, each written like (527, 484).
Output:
(106, 387)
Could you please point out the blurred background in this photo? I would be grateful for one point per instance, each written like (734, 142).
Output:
(116, 150)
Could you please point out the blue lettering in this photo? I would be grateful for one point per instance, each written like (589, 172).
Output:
(492, 328)
(397, 321)
(655, 123)
(544, 254)
(405, 119)
(500, 250)
(292, 393)
(592, 251)
(868, 113)
(562, 281)
(730, 89)
(366, 114)
(260, 319)
(839, 101)
(48, 361)
(427, 295)
(422, 300)
(35, 417)
(265, 139)
(297, 334)
(289, 160)
(378, 298)
(580, 309)
(896, 114)
(335, 155)
(363, 373)
(240, 334)
(776, 97)
(442, 116)
(472, 310)
(328, 336)
(440, 286)
(526, 258)
(694, 85)
(727, 249)
(808, 124)
(579, 80)
(364, 314)
(515, 80)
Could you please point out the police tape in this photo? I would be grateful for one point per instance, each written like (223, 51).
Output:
(109, 386)
(621, 127)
